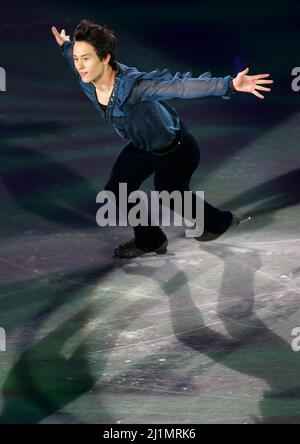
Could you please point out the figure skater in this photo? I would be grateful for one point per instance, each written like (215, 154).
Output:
(134, 103)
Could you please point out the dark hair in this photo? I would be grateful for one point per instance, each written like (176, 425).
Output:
(102, 39)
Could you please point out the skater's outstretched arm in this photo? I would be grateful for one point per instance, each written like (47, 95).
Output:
(186, 87)
(66, 46)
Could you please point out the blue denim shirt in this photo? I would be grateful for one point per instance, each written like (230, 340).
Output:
(137, 108)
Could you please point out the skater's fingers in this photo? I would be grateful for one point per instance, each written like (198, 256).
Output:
(260, 96)
(261, 76)
(60, 37)
(262, 82)
(244, 72)
(54, 30)
(262, 88)
(56, 34)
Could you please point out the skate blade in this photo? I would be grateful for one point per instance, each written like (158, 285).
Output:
(245, 219)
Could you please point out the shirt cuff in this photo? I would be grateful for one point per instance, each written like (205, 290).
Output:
(65, 47)
(230, 90)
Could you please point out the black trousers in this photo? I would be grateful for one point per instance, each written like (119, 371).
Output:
(172, 171)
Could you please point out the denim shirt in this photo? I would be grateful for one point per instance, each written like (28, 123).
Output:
(137, 108)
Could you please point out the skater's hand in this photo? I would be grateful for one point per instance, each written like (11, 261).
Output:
(60, 38)
(251, 84)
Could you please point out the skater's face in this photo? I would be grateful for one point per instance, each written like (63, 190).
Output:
(87, 62)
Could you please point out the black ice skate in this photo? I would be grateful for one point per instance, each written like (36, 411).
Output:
(209, 236)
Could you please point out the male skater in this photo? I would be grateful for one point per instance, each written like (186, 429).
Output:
(133, 102)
